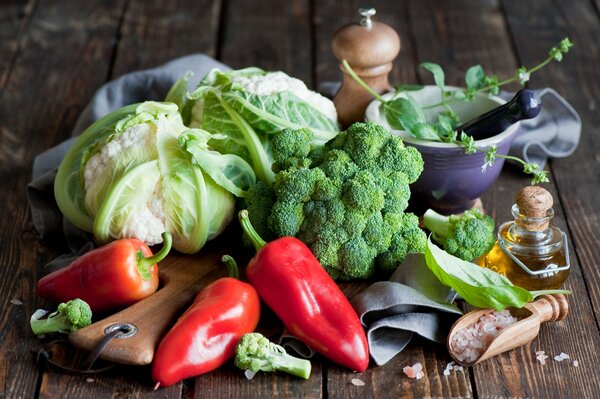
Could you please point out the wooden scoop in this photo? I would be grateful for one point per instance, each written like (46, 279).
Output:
(545, 308)
(181, 277)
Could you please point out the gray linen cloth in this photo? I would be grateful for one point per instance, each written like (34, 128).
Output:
(412, 302)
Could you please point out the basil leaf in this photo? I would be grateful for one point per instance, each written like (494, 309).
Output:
(438, 74)
(404, 114)
(475, 77)
(478, 286)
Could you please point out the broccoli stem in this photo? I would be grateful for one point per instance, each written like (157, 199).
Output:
(290, 364)
(252, 235)
(144, 264)
(55, 322)
(436, 223)
(232, 266)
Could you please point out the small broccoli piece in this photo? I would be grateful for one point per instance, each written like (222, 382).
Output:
(259, 201)
(465, 236)
(290, 149)
(256, 353)
(70, 316)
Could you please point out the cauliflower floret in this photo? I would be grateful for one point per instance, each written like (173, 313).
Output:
(145, 226)
(276, 82)
(145, 223)
(142, 135)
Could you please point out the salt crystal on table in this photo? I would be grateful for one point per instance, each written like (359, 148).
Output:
(16, 302)
(414, 371)
(575, 363)
(357, 382)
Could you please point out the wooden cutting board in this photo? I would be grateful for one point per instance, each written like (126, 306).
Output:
(181, 278)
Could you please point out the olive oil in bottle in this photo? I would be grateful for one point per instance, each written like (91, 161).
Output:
(530, 252)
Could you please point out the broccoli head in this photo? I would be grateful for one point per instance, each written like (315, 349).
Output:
(70, 316)
(345, 199)
(465, 236)
(256, 353)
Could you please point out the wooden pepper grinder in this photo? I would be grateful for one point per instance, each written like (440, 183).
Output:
(369, 47)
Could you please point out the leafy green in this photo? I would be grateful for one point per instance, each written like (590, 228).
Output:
(478, 286)
(246, 121)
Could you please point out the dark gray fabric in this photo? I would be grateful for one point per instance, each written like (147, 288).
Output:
(554, 133)
(412, 301)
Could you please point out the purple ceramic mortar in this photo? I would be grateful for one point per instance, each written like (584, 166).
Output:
(451, 180)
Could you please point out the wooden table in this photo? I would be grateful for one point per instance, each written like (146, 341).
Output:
(55, 54)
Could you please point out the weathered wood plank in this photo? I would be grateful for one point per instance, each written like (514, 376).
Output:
(61, 60)
(14, 17)
(272, 36)
(387, 380)
(155, 32)
(455, 44)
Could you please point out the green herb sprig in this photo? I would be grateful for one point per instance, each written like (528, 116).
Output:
(404, 113)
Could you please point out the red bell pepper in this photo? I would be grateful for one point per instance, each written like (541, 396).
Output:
(292, 282)
(205, 335)
(115, 275)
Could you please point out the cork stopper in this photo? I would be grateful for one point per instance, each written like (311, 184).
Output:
(369, 47)
(535, 203)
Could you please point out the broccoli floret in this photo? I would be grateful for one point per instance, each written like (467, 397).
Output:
(465, 236)
(348, 205)
(70, 316)
(290, 149)
(256, 353)
(259, 201)
(407, 237)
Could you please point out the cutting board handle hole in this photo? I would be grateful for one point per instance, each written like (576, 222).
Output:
(127, 330)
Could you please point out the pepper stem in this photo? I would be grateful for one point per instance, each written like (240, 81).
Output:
(232, 266)
(144, 264)
(252, 235)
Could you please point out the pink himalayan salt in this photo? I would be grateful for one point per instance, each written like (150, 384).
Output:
(469, 343)
(414, 371)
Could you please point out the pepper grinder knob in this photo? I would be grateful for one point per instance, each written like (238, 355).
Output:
(369, 47)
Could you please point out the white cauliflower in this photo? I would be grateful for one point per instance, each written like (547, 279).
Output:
(142, 135)
(145, 223)
(277, 82)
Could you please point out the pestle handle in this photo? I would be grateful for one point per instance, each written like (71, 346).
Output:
(526, 104)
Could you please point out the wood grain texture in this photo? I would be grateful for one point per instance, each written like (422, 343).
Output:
(155, 32)
(272, 36)
(14, 18)
(62, 56)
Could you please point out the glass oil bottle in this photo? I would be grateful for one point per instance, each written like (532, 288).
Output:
(530, 252)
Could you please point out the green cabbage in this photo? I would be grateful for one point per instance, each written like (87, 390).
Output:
(246, 121)
(145, 172)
